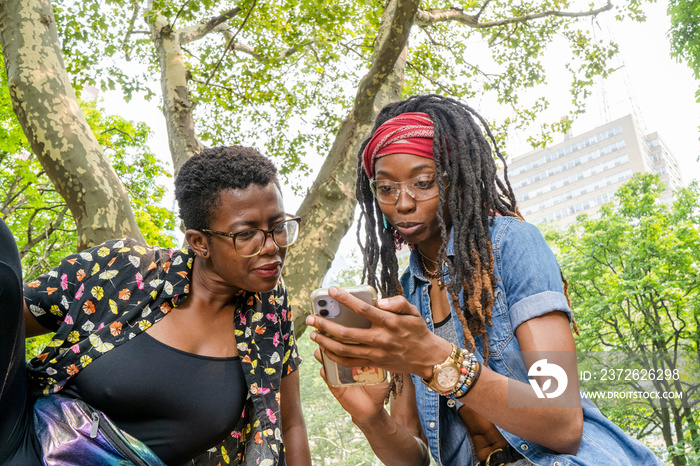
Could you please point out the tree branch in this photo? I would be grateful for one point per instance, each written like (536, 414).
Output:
(233, 91)
(434, 82)
(292, 50)
(119, 131)
(430, 17)
(244, 48)
(221, 58)
(159, 21)
(483, 7)
(384, 59)
(130, 30)
(434, 41)
(346, 47)
(198, 31)
(492, 40)
(10, 195)
(250, 50)
(447, 47)
(33, 241)
(179, 12)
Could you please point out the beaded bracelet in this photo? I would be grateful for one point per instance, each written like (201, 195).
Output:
(470, 371)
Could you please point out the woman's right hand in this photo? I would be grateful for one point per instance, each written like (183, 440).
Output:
(392, 442)
(362, 402)
(398, 340)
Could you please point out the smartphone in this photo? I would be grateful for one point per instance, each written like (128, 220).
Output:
(323, 305)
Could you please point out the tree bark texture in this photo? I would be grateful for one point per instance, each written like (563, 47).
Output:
(49, 113)
(177, 106)
(328, 209)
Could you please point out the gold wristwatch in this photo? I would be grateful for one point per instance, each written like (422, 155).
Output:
(446, 376)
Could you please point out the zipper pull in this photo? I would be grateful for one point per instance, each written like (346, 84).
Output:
(95, 424)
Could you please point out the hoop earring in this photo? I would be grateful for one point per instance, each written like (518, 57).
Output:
(398, 241)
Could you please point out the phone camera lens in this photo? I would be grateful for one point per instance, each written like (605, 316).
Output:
(322, 303)
(323, 312)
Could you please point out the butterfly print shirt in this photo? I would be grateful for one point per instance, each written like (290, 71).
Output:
(104, 296)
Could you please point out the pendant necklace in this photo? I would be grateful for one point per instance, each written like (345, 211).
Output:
(432, 274)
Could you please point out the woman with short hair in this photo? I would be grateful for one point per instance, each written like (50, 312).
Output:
(190, 352)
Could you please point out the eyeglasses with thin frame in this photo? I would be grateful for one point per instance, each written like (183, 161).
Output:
(420, 188)
(251, 241)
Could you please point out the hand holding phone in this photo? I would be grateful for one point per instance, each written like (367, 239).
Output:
(325, 306)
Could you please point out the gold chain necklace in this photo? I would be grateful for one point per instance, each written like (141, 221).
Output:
(432, 274)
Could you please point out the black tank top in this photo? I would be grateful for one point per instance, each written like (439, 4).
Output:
(179, 404)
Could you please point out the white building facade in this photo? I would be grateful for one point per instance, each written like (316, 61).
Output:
(583, 172)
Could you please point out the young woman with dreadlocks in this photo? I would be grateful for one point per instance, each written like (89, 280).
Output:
(482, 300)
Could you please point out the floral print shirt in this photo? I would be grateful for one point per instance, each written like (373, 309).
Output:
(104, 296)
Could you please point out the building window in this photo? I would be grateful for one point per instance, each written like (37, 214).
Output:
(566, 150)
(583, 158)
(582, 190)
(560, 183)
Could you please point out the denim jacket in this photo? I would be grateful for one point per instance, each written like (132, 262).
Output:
(528, 285)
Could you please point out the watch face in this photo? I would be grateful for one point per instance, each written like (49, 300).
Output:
(448, 377)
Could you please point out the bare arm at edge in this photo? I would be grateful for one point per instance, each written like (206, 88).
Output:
(32, 327)
(397, 438)
(293, 426)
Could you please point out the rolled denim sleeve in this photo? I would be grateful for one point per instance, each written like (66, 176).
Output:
(531, 274)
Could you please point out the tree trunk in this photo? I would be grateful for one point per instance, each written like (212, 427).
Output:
(48, 111)
(328, 208)
(177, 105)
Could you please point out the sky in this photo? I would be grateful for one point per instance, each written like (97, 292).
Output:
(649, 84)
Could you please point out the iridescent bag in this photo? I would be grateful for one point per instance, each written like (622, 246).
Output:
(72, 432)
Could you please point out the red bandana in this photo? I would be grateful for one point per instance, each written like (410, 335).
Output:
(408, 133)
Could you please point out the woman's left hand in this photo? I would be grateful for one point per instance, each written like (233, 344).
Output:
(398, 341)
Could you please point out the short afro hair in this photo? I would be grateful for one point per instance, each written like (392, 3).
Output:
(206, 174)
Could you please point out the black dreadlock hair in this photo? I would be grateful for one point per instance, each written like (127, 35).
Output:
(476, 193)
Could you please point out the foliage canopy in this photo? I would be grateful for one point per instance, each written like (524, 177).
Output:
(685, 34)
(281, 75)
(635, 290)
